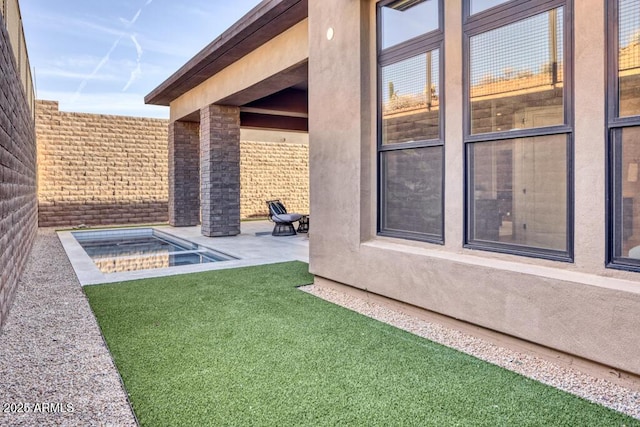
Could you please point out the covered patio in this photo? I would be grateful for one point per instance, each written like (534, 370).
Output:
(253, 76)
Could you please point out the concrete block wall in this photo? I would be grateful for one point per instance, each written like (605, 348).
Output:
(416, 125)
(273, 170)
(99, 169)
(18, 201)
(502, 113)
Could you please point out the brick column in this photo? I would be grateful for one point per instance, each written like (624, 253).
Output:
(184, 174)
(220, 170)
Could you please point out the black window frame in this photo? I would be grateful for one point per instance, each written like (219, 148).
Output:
(424, 43)
(613, 137)
(488, 20)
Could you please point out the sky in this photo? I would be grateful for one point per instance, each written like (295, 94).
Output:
(97, 56)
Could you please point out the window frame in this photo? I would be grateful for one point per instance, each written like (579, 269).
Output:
(615, 125)
(488, 20)
(424, 43)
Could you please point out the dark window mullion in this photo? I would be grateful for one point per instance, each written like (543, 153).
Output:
(520, 133)
(621, 122)
(409, 145)
(506, 13)
(411, 48)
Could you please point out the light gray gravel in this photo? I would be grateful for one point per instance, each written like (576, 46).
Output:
(571, 380)
(53, 359)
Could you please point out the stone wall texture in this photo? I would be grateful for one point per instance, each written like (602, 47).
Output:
(18, 201)
(220, 170)
(99, 169)
(270, 170)
(184, 171)
(113, 170)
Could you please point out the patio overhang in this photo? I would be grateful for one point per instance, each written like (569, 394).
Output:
(278, 102)
(261, 58)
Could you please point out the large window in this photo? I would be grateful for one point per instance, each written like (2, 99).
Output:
(410, 146)
(624, 134)
(518, 132)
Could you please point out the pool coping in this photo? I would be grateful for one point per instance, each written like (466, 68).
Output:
(88, 273)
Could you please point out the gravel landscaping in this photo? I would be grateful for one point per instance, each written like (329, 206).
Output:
(56, 369)
(54, 365)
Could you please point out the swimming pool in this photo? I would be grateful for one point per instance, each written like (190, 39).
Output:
(116, 251)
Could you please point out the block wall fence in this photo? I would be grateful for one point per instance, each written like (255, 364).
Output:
(113, 170)
(98, 169)
(18, 200)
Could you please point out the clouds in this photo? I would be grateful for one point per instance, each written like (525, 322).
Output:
(66, 74)
(91, 55)
(97, 68)
(137, 72)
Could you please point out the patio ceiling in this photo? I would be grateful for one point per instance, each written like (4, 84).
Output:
(279, 102)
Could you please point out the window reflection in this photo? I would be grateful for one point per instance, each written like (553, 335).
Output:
(406, 19)
(520, 191)
(629, 57)
(411, 99)
(412, 188)
(480, 5)
(517, 75)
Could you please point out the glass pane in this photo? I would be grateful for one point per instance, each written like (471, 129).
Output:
(629, 57)
(411, 99)
(412, 190)
(406, 19)
(629, 217)
(520, 191)
(480, 5)
(517, 75)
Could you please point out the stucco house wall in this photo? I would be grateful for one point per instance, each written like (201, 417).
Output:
(580, 307)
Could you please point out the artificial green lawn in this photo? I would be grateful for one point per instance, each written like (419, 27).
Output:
(245, 347)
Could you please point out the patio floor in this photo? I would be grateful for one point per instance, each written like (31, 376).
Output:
(253, 246)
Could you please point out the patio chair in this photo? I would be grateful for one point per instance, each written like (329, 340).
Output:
(283, 220)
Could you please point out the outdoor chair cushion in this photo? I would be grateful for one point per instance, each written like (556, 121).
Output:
(285, 217)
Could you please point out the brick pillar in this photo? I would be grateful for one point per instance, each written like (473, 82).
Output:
(220, 170)
(184, 174)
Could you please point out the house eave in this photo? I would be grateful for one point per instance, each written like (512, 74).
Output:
(265, 21)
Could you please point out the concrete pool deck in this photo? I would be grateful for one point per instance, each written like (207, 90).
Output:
(253, 246)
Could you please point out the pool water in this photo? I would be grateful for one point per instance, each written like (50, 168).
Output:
(141, 249)
(109, 248)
